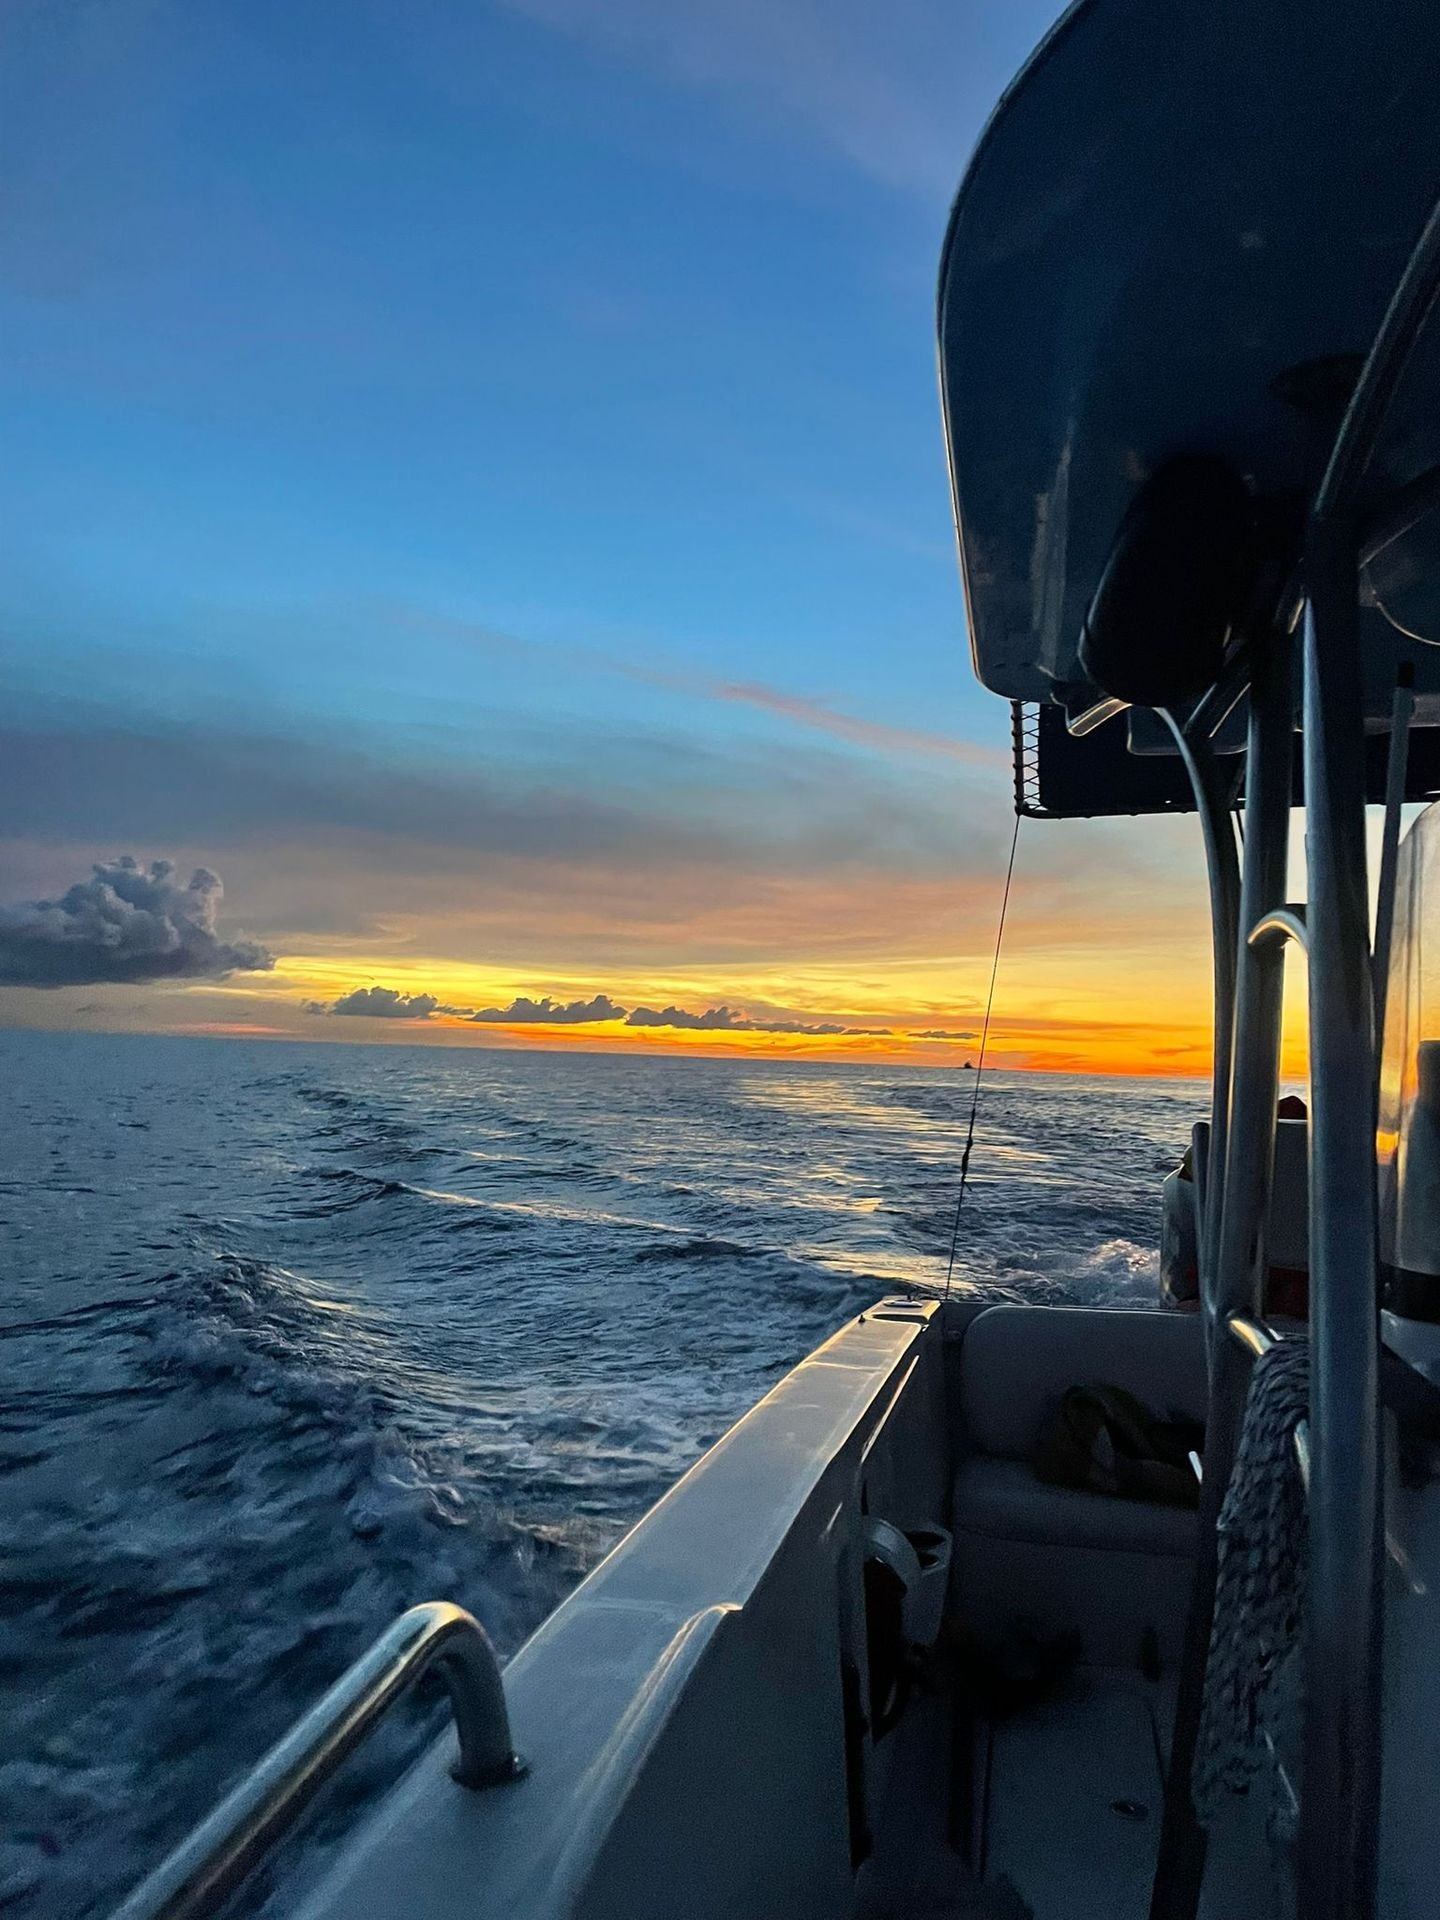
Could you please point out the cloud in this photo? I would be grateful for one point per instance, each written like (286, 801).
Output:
(546, 1012)
(898, 93)
(129, 923)
(904, 743)
(388, 1003)
(385, 1003)
(726, 1020)
(943, 1033)
(845, 726)
(613, 799)
(718, 1019)
(582, 853)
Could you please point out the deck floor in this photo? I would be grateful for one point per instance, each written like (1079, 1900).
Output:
(1072, 1799)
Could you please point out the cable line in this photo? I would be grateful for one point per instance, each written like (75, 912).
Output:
(980, 1066)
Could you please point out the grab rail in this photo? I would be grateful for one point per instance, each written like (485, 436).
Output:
(1257, 1340)
(1278, 926)
(209, 1865)
(1253, 1335)
(1236, 900)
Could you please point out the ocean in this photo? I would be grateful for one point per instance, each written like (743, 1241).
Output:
(292, 1337)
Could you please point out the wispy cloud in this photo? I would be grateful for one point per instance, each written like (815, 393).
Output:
(588, 847)
(583, 793)
(728, 1020)
(906, 741)
(885, 89)
(765, 889)
(803, 710)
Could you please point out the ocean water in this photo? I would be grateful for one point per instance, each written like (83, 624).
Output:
(293, 1337)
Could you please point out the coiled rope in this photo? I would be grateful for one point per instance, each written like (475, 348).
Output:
(980, 1064)
(1253, 1682)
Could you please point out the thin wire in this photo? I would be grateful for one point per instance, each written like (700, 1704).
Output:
(980, 1065)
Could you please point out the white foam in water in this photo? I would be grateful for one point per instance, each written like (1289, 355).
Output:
(266, 1388)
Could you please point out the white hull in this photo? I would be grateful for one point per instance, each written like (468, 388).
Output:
(696, 1716)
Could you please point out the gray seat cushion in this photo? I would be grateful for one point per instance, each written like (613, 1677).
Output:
(1017, 1361)
(1003, 1500)
(1116, 1572)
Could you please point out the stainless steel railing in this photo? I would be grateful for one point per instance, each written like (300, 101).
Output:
(1278, 926)
(1248, 996)
(1255, 1336)
(208, 1866)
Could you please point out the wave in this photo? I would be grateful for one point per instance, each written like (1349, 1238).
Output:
(218, 1562)
(696, 1247)
(312, 1345)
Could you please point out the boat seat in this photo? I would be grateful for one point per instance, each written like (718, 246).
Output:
(1004, 1500)
(1117, 1572)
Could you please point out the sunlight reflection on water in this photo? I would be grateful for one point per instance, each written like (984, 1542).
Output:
(300, 1335)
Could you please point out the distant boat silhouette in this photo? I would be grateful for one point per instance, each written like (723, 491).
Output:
(969, 1067)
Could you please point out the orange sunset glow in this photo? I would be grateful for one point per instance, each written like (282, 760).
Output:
(1105, 966)
(881, 970)
(594, 685)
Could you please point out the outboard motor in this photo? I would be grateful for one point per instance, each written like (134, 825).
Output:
(1287, 1237)
(1180, 1235)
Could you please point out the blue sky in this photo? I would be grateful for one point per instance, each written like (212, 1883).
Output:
(547, 318)
(474, 480)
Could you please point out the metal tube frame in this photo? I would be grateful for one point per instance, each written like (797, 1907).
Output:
(1273, 929)
(1255, 1072)
(1337, 1855)
(1237, 1202)
(1254, 1337)
(1339, 1808)
(1340, 1802)
(1211, 786)
(1401, 712)
(207, 1867)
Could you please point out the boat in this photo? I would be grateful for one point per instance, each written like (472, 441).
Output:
(876, 1655)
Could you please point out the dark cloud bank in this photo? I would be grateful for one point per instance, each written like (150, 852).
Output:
(726, 1020)
(618, 801)
(381, 1003)
(387, 1003)
(545, 1012)
(127, 923)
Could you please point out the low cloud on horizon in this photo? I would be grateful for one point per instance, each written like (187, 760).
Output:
(524, 1011)
(380, 1003)
(390, 1003)
(727, 1020)
(616, 852)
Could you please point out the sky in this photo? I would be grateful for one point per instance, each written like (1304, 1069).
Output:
(475, 551)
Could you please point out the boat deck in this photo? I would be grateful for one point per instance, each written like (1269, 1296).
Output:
(1064, 1805)
(1072, 1796)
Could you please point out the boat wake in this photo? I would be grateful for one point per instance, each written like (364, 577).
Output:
(266, 1386)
